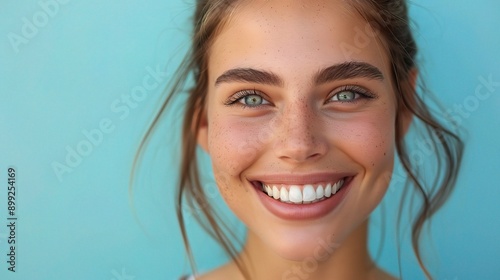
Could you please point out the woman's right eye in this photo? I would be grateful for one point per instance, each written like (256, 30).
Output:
(248, 98)
(252, 100)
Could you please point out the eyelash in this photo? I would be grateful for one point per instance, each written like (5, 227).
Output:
(242, 94)
(357, 90)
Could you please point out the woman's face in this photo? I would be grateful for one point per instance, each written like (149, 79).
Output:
(300, 103)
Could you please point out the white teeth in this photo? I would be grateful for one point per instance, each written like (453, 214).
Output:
(337, 186)
(276, 192)
(320, 192)
(328, 190)
(269, 191)
(284, 195)
(308, 194)
(295, 195)
(302, 194)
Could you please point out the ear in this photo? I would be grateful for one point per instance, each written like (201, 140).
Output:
(410, 86)
(200, 126)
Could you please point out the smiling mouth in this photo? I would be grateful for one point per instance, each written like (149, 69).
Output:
(302, 194)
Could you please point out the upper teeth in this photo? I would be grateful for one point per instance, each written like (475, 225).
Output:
(302, 194)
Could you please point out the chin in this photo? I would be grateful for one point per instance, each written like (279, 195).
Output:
(315, 242)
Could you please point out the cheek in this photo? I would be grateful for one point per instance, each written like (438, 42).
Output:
(234, 144)
(371, 146)
(369, 142)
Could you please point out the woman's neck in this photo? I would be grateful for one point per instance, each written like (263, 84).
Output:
(349, 261)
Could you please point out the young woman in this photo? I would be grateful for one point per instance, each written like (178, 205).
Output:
(302, 107)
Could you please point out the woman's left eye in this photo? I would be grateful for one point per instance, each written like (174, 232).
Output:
(349, 94)
(345, 96)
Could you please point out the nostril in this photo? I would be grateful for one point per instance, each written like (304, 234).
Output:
(299, 150)
(316, 155)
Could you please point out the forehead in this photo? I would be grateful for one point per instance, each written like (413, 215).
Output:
(284, 35)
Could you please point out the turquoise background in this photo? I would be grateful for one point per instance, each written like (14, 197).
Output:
(72, 75)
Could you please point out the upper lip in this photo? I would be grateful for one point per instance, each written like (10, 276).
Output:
(299, 179)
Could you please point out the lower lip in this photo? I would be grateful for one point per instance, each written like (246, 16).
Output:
(289, 211)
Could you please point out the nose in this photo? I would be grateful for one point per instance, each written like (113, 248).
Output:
(300, 135)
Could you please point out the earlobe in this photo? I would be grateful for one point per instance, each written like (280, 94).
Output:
(200, 126)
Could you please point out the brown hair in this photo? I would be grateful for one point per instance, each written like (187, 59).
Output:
(390, 19)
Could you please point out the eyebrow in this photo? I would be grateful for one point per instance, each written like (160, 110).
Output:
(348, 70)
(341, 71)
(249, 75)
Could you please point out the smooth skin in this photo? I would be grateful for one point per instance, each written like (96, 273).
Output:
(298, 124)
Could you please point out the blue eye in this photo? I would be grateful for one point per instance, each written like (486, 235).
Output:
(252, 100)
(248, 98)
(345, 96)
(348, 94)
